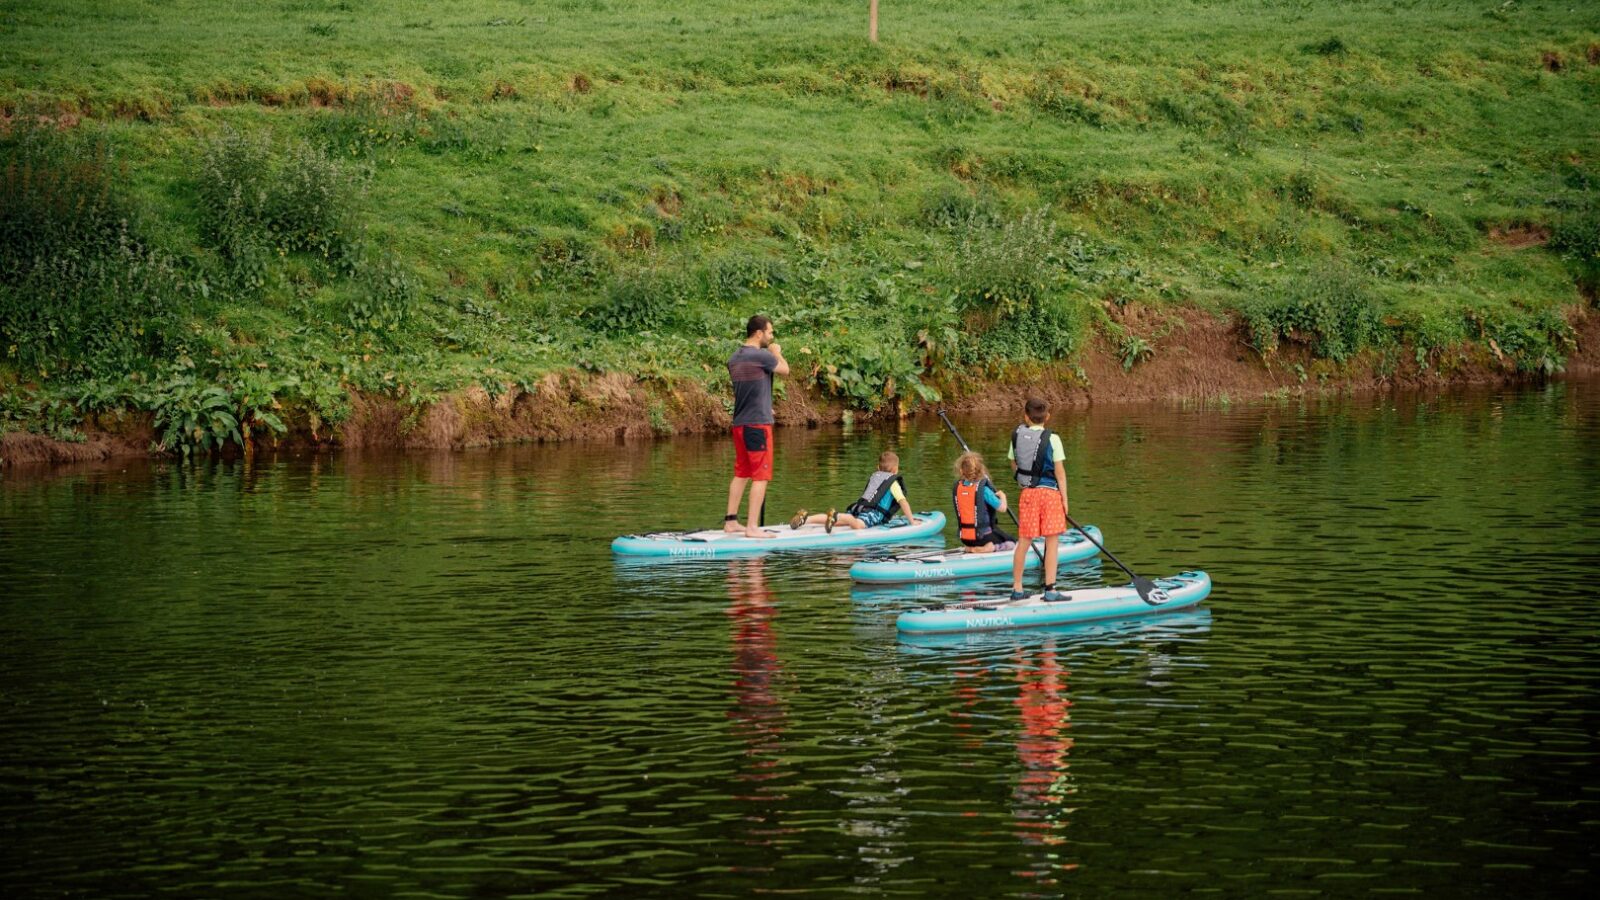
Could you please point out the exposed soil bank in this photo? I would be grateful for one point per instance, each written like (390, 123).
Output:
(1196, 356)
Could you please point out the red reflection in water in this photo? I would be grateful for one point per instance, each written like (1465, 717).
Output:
(758, 713)
(969, 690)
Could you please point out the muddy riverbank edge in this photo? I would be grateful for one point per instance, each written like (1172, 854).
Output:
(1207, 359)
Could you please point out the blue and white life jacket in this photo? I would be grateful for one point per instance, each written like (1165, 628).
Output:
(877, 495)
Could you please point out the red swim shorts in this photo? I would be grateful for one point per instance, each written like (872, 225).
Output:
(752, 447)
(1041, 514)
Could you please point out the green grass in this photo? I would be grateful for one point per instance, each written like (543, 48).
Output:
(615, 185)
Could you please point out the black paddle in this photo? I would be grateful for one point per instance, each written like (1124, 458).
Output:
(1009, 511)
(1144, 586)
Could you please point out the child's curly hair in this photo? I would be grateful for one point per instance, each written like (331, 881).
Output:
(970, 467)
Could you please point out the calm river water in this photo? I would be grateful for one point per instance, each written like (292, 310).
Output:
(425, 675)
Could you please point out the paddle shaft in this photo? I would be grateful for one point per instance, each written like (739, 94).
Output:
(1009, 511)
(1102, 548)
(1143, 585)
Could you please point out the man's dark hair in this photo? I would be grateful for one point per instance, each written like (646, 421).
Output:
(1036, 409)
(756, 325)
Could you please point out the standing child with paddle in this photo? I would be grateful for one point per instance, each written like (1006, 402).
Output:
(1038, 459)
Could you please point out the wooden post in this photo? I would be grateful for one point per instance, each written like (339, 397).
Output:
(872, 21)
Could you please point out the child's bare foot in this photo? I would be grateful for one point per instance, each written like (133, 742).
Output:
(798, 520)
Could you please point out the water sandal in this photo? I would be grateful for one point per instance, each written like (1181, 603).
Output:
(833, 519)
(798, 520)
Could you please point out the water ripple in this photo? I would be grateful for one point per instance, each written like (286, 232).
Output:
(425, 675)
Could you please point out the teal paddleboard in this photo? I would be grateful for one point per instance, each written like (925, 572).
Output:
(958, 562)
(1181, 591)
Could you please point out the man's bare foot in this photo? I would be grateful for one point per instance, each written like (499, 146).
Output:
(758, 533)
(732, 527)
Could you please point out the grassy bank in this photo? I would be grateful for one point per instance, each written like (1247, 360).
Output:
(232, 217)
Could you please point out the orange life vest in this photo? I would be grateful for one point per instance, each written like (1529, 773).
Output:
(973, 515)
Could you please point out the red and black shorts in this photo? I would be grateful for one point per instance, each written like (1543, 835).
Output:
(752, 447)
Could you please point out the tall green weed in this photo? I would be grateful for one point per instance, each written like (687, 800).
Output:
(1577, 237)
(81, 286)
(1000, 268)
(260, 199)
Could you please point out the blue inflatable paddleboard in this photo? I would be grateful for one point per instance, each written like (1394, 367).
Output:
(719, 544)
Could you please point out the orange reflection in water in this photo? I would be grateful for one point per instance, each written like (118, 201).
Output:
(1043, 745)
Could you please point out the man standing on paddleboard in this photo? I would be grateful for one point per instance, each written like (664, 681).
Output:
(751, 368)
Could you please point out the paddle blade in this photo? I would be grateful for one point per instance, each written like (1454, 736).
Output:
(1149, 592)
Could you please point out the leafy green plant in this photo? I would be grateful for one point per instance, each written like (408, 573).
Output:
(734, 275)
(40, 413)
(367, 125)
(1534, 342)
(640, 300)
(198, 414)
(1329, 307)
(385, 298)
(866, 371)
(1577, 237)
(478, 140)
(1332, 46)
(192, 415)
(1133, 349)
(953, 205)
(1051, 329)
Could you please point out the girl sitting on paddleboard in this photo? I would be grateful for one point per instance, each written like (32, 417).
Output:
(884, 490)
(978, 505)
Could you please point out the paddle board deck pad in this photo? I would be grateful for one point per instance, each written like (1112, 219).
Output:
(958, 562)
(1182, 591)
(720, 544)
(1177, 623)
(914, 594)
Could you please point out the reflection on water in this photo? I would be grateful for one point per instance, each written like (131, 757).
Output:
(758, 710)
(1043, 745)
(426, 675)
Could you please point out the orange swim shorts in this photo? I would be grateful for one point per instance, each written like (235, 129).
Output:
(1040, 514)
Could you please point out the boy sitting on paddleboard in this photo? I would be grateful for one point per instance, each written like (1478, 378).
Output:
(977, 506)
(884, 490)
(1037, 457)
